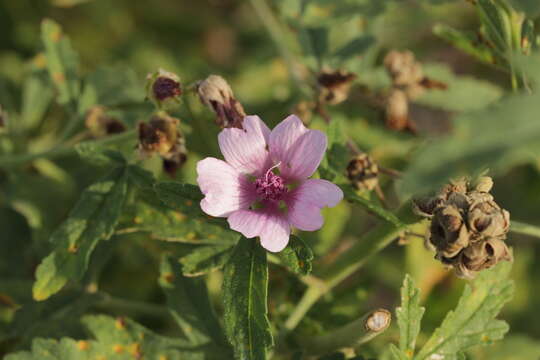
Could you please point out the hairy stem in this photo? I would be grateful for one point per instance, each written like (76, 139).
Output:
(352, 334)
(524, 229)
(350, 261)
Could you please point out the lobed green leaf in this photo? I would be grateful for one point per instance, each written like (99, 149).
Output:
(245, 287)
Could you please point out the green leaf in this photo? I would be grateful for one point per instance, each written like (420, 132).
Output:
(99, 155)
(355, 47)
(245, 287)
(205, 259)
(57, 316)
(111, 86)
(497, 24)
(93, 218)
(351, 195)
(409, 315)
(513, 347)
(481, 139)
(314, 41)
(397, 354)
(464, 93)
(297, 256)
(114, 339)
(190, 306)
(37, 95)
(473, 321)
(184, 197)
(466, 42)
(62, 62)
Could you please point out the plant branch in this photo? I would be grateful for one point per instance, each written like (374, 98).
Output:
(352, 334)
(524, 229)
(350, 261)
(61, 150)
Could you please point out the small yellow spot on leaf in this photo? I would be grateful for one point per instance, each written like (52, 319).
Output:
(189, 202)
(58, 77)
(73, 248)
(83, 345)
(120, 323)
(118, 348)
(137, 220)
(135, 350)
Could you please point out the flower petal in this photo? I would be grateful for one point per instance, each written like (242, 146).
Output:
(306, 201)
(246, 149)
(225, 189)
(272, 227)
(299, 149)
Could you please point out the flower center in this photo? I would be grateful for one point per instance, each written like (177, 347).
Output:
(270, 186)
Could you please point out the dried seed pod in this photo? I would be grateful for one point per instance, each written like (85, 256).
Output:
(397, 110)
(449, 232)
(216, 93)
(159, 135)
(468, 227)
(164, 89)
(487, 219)
(334, 86)
(363, 172)
(100, 124)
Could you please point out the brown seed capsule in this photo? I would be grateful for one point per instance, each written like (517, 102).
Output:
(100, 124)
(216, 93)
(363, 172)
(397, 110)
(486, 218)
(448, 231)
(159, 135)
(334, 86)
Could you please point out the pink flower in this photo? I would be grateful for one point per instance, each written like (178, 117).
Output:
(262, 187)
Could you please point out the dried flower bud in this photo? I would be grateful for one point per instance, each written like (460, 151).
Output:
(363, 172)
(334, 86)
(484, 184)
(449, 232)
(216, 93)
(176, 157)
(397, 110)
(304, 110)
(159, 135)
(403, 68)
(164, 88)
(100, 124)
(480, 256)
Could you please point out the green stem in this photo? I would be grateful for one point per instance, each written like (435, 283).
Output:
(279, 37)
(61, 150)
(352, 260)
(352, 334)
(134, 307)
(524, 229)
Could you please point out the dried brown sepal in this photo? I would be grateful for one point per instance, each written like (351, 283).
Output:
(176, 158)
(159, 135)
(334, 86)
(217, 94)
(99, 124)
(403, 68)
(164, 89)
(363, 172)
